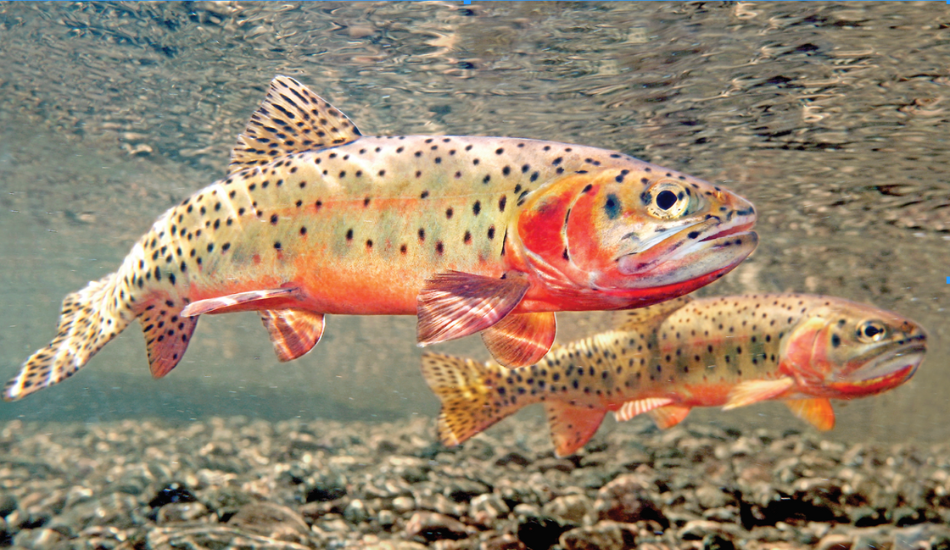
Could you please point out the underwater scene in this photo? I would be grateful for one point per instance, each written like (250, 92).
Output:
(475, 275)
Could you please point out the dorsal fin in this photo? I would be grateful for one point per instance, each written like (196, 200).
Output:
(643, 319)
(291, 119)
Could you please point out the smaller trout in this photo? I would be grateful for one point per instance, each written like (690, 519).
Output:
(666, 359)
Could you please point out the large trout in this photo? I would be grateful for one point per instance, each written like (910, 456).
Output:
(472, 234)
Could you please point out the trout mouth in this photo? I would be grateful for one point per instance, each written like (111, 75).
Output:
(886, 371)
(712, 246)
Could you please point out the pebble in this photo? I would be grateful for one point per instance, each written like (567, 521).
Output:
(431, 526)
(271, 520)
(570, 508)
(605, 535)
(176, 512)
(486, 508)
(627, 499)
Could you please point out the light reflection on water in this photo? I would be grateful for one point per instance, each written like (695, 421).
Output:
(831, 117)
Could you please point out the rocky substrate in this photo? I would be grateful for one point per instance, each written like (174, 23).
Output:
(241, 483)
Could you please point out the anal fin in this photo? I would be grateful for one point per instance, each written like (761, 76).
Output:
(639, 406)
(816, 411)
(242, 301)
(753, 391)
(669, 416)
(572, 426)
(455, 304)
(293, 332)
(521, 339)
(167, 336)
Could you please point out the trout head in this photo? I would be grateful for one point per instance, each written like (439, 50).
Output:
(634, 236)
(844, 350)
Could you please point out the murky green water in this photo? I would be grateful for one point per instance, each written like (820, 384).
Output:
(832, 118)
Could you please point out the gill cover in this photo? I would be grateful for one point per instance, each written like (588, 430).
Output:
(577, 229)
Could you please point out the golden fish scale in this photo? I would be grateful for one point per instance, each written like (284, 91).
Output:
(359, 204)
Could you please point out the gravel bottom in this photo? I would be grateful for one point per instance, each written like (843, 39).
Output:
(241, 483)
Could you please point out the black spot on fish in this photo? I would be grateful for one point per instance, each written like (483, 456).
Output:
(502, 202)
(612, 206)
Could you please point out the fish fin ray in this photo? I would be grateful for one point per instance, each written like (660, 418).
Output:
(167, 335)
(753, 391)
(293, 332)
(89, 319)
(291, 119)
(251, 300)
(816, 411)
(455, 304)
(572, 426)
(521, 339)
(642, 319)
(466, 390)
(670, 415)
(639, 406)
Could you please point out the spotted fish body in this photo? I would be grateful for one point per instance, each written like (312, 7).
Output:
(667, 359)
(472, 234)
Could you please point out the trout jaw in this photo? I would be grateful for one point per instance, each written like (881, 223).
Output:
(708, 247)
(881, 373)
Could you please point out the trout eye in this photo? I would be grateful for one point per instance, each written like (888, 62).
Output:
(667, 200)
(872, 331)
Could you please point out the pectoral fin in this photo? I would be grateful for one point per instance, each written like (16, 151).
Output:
(753, 391)
(670, 415)
(816, 411)
(572, 426)
(632, 408)
(242, 301)
(521, 339)
(454, 304)
(293, 332)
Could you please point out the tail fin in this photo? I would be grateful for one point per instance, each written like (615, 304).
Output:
(90, 318)
(469, 392)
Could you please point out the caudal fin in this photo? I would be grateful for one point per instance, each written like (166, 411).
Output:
(469, 392)
(90, 318)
